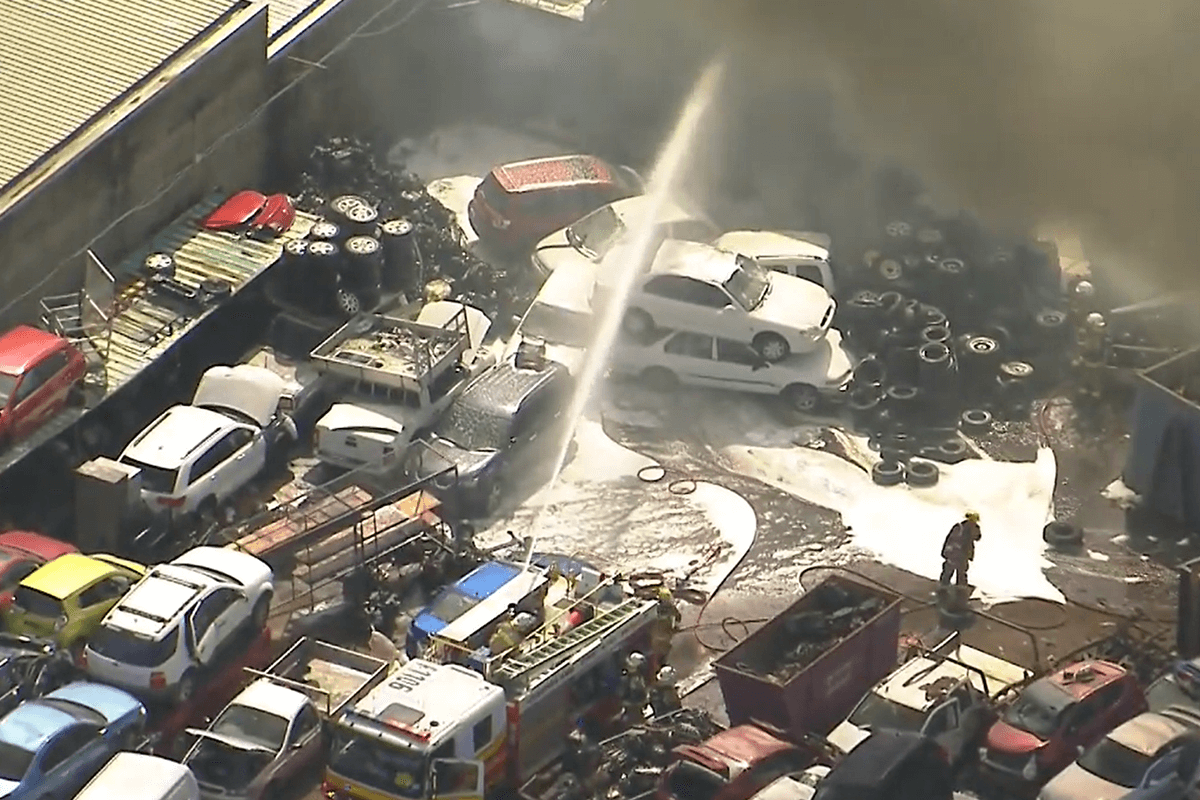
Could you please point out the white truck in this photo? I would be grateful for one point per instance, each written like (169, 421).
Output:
(398, 376)
(274, 728)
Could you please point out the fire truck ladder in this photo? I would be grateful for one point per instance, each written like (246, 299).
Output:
(603, 623)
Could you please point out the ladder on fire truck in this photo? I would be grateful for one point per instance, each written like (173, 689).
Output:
(620, 618)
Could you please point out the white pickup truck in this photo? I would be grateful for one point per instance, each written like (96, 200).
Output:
(399, 376)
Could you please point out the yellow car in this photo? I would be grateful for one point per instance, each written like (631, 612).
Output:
(65, 599)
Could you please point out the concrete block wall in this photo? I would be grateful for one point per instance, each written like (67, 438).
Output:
(151, 150)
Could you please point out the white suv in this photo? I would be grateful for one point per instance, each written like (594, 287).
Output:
(195, 457)
(178, 620)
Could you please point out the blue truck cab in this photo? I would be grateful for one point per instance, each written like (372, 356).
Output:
(457, 599)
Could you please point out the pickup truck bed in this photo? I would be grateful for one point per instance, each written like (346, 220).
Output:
(333, 676)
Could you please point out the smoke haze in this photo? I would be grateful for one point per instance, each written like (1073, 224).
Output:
(1081, 113)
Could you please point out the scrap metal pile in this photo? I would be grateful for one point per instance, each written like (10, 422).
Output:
(626, 766)
(960, 331)
(836, 612)
(398, 201)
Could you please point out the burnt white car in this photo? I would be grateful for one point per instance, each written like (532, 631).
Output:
(698, 359)
(803, 254)
(704, 289)
(560, 316)
(589, 240)
(195, 457)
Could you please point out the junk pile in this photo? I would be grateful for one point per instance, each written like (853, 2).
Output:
(959, 332)
(834, 612)
(383, 216)
(623, 767)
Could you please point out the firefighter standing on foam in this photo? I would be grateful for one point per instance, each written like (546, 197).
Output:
(959, 549)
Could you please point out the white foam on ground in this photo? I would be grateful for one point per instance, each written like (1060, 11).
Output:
(905, 527)
(600, 511)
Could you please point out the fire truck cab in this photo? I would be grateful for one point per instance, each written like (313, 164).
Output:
(429, 731)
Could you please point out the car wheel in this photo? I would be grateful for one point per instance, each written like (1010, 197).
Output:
(186, 687)
(772, 347)
(262, 610)
(802, 397)
(637, 323)
(348, 302)
(660, 379)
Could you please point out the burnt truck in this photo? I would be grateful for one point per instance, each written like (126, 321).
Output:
(274, 728)
(805, 670)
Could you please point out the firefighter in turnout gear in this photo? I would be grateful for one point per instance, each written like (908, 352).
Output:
(506, 636)
(664, 694)
(663, 631)
(634, 693)
(959, 549)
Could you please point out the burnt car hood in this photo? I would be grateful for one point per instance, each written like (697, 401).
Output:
(434, 455)
(1004, 738)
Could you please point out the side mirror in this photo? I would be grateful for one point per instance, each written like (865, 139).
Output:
(761, 364)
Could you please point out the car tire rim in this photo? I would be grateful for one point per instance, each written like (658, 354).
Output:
(348, 302)
(774, 349)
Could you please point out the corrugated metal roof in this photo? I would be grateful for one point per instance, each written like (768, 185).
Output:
(61, 63)
(147, 325)
(281, 12)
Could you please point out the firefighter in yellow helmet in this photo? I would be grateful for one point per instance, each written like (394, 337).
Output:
(663, 630)
(959, 549)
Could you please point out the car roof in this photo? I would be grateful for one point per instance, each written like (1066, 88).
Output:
(504, 386)
(67, 574)
(1084, 677)
(24, 346)
(1149, 731)
(36, 544)
(770, 244)
(168, 441)
(30, 724)
(486, 578)
(157, 600)
(569, 287)
(553, 172)
(875, 757)
(266, 695)
(694, 260)
(669, 211)
(922, 682)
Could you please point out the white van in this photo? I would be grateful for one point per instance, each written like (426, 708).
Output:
(136, 776)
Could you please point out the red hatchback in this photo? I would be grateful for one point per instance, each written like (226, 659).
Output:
(1056, 718)
(21, 552)
(38, 373)
(518, 204)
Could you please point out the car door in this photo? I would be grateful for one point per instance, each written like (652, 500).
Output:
(15, 571)
(457, 778)
(304, 743)
(1090, 719)
(33, 401)
(690, 356)
(96, 600)
(73, 758)
(216, 620)
(741, 367)
(249, 457)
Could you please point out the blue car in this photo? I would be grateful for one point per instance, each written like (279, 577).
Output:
(456, 600)
(52, 746)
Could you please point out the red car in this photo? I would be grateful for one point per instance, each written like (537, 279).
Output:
(38, 373)
(21, 552)
(733, 765)
(1056, 718)
(252, 212)
(518, 204)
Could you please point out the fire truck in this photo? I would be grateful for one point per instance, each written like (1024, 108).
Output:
(464, 723)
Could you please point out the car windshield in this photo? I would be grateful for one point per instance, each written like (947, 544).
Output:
(154, 479)
(877, 712)
(1039, 708)
(472, 428)
(596, 233)
(77, 710)
(14, 762)
(1116, 763)
(251, 725)
(37, 603)
(126, 648)
(379, 767)
(451, 605)
(8, 385)
(556, 325)
(749, 283)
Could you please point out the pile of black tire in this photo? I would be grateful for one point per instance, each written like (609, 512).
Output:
(358, 195)
(957, 332)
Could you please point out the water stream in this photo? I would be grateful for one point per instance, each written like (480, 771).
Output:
(630, 259)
